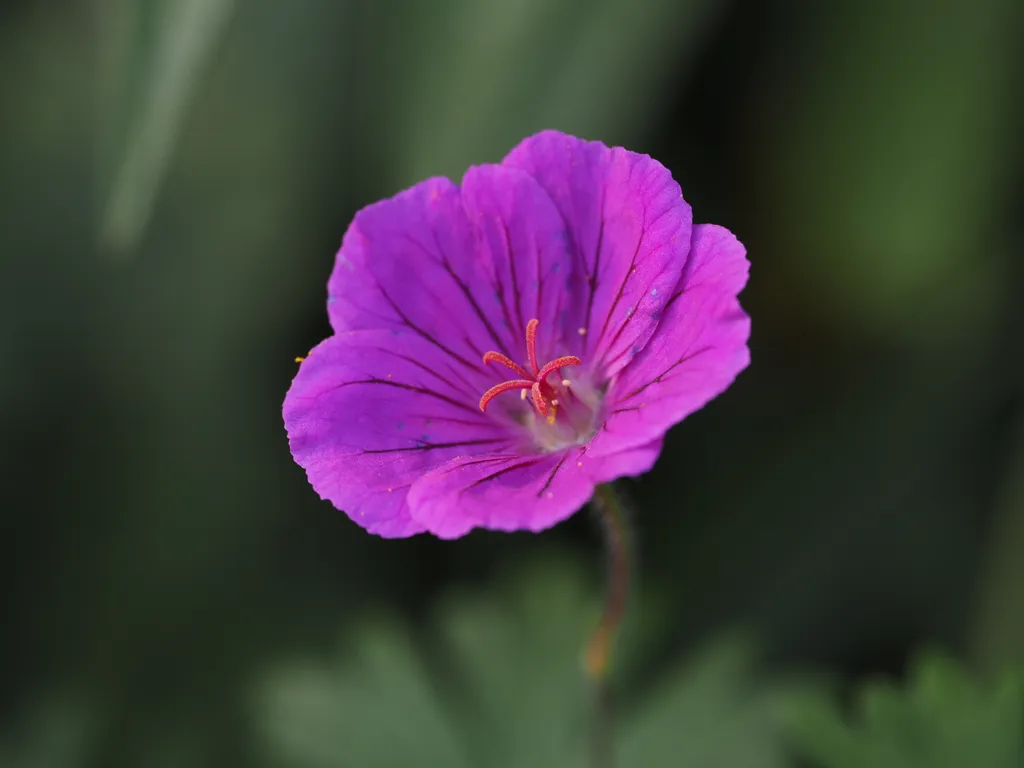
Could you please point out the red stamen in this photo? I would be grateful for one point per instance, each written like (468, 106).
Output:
(531, 344)
(497, 357)
(538, 400)
(505, 386)
(555, 364)
(544, 395)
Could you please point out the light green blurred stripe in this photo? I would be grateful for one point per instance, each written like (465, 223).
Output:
(621, 72)
(602, 69)
(187, 34)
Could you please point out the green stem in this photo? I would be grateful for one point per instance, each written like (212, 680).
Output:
(598, 654)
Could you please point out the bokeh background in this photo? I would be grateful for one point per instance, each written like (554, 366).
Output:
(829, 557)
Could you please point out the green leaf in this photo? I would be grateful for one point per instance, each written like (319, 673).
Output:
(499, 683)
(942, 719)
(377, 708)
(714, 711)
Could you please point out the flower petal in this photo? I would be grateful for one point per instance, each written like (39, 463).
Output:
(399, 266)
(503, 492)
(698, 350)
(384, 513)
(510, 493)
(631, 462)
(630, 232)
(369, 412)
(465, 270)
(521, 238)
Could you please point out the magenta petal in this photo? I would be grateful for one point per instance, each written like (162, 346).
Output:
(384, 513)
(521, 238)
(421, 232)
(504, 493)
(371, 411)
(631, 462)
(697, 351)
(630, 231)
(466, 269)
(510, 493)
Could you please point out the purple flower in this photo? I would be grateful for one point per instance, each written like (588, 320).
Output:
(503, 346)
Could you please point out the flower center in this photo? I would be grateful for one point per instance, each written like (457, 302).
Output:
(534, 379)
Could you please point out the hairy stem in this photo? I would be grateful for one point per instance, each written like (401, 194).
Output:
(598, 654)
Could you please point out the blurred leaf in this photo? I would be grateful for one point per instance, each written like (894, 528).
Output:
(184, 33)
(714, 711)
(506, 689)
(943, 719)
(522, 700)
(379, 708)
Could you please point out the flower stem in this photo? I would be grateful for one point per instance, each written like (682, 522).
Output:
(597, 656)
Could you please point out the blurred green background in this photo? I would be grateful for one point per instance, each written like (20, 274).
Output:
(830, 557)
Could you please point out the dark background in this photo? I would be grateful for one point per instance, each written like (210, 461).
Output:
(175, 178)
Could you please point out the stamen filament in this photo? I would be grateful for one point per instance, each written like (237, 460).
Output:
(538, 400)
(531, 344)
(505, 386)
(497, 357)
(555, 364)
